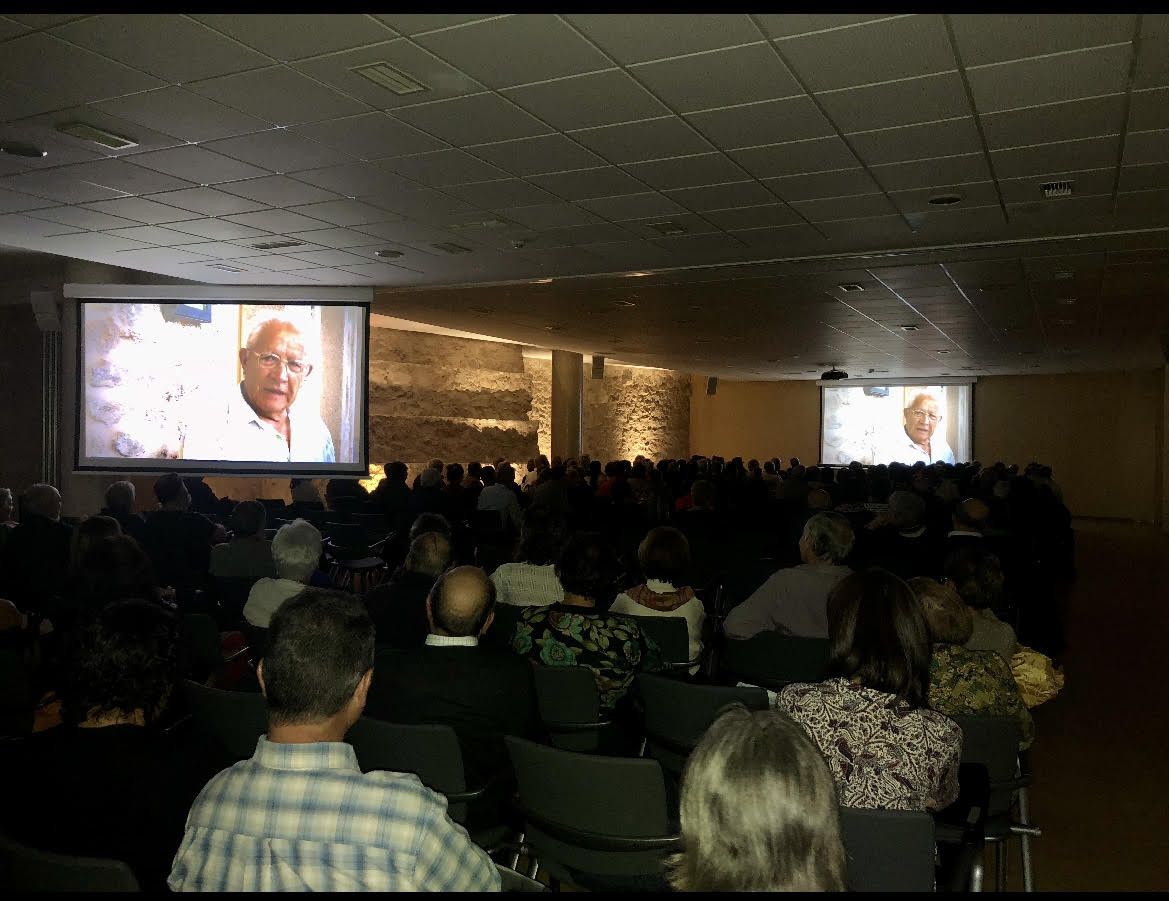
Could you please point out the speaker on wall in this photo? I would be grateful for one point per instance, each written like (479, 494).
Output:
(598, 366)
(712, 384)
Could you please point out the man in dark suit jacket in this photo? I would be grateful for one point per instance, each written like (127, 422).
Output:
(36, 554)
(482, 693)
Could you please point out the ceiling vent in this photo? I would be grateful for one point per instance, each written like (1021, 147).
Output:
(945, 199)
(849, 287)
(225, 268)
(1053, 189)
(909, 328)
(482, 223)
(96, 135)
(388, 254)
(277, 245)
(448, 247)
(669, 228)
(386, 76)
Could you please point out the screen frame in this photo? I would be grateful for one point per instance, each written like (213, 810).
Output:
(972, 381)
(222, 296)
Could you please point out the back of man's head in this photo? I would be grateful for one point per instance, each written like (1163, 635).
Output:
(120, 497)
(248, 519)
(397, 471)
(906, 509)
(702, 494)
(296, 550)
(429, 554)
(320, 645)
(430, 478)
(461, 601)
(505, 475)
(971, 515)
(41, 500)
(819, 499)
(171, 490)
(829, 537)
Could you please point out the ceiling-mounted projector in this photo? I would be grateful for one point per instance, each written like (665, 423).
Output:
(833, 375)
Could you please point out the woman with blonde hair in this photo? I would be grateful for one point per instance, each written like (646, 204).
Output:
(759, 810)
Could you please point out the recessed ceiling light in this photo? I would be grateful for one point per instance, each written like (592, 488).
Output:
(1063, 273)
(1066, 301)
(96, 135)
(481, 311)
(694, 307)
(15, 148)
(1065, 322)
(388, 254)
(909, 328)
(225, 267)
(669, 228)
(850, 286)
(945, 199)
(386, 76)
(448, 247)
(554, 328)
(637, 274)
(941, 351)
(541, 281)
(624, 303)
(480, 223)
(277, 245)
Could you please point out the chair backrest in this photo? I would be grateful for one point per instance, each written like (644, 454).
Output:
(670, 633)
(234, 719)
(431, 752)
(993, 741)
(773, 660)
(567, 697)
(25, 869)
(503, 626)
(678, 713)
(200, 637)
(233, 594)
(888, 850)
(347, 535)
(511, 881)
(375, 525)
(607, 796)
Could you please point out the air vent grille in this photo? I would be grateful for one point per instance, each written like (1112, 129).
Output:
(669, 228)
(851, 286)
(96, 135)
(277, 245)
(1052, 189)
(386, 76)
(448, 247)
(225, 268)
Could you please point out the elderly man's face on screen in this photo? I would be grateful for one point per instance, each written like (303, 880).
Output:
(274, 367)
(922, 417)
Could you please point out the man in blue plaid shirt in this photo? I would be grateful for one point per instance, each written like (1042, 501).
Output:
(300, 814)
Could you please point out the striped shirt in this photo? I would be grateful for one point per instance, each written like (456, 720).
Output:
(303, 817)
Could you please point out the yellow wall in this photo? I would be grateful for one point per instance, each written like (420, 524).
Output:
(1099, 431)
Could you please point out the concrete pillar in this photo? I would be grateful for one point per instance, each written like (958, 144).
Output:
(567, 402)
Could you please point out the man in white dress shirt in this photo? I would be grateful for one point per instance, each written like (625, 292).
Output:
(917, 439)
(262, 422)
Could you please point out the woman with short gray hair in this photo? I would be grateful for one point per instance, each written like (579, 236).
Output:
(296, 552)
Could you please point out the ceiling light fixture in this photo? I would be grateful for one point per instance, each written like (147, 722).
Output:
(1066, 301)
(481, 223)
(941, 351)
(624, 303)
(388, 254)
(909, 328)
(15, 148)
(541, 281)
(1052, 189)
(669, 228)
(448, 247)
(945, 199)
(1063, 273)
(224, 267)
(96, 135)
(277, 245)
(850, 286)
(386, 76)
(637, 274)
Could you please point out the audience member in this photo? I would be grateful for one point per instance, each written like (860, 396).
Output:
(300, 814)
(793, 601)
(120, 498)
(296, 551)
(178, 540)
(977, 576)
(304, 491)
(36, 554)
(392, 496)
(7, 508)
(500, 497)
(885, 748)
(531, 581)
(759, 810)
(398, 607)
(249, 554)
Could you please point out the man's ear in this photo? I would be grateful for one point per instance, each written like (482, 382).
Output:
(487, 623)
(260, 678)
(243, 357)
(362, 691)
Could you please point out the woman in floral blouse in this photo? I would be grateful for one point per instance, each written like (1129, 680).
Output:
(885, 748)
(574, 632)
(965, 682)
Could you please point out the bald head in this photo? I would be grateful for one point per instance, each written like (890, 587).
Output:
(42, 500)
(971, 515)
(429, 554)
(462, 602)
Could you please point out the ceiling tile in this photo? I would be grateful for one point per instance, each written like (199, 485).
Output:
(857, 56)
(177, 112)
(217, 229)
(276, 262)
(722, 197)
(550, 215)
(124, 176)
(279, 150)
(372, 136)
(279, 95)
(534, 156)
(587, 183)
(649, 139)
(152, 234)
(768, 122)
(1153, 62)
(905, 102)
(1085, 182)
(219, 250)
(344, 213)
(10, 29)
(916, 200)
(1054, 122)
(57, 186)
(693, 225)
(336, 237)
(633, 206)
(516, 50)
(1147, 147)
(687, 171)
(507, 192)
(197, 164)
(719, 78)
(1009, 36)
(140, 209)
(932, 173)
(832, 208)
(917, 142)
(813, 186)
(604, 98)
(753, 217)
(290, 36)
(443, 167)
(88, 245)
(207, 201)
(417, 23)
(279, 190)
(276, 221)
(155, 257)
(475, 119)
(816, 155)
(80, 217)
(1154, 176)
(15, 202)
(423, 204)
(583, 234)
(1049, 79)
(356, 179)
(782, 25)
(1087, 153)
(67, 74)
(329, 257)
(639, 37)
(407, 231)
(1149, 109)
(147, 41)
(440, 80)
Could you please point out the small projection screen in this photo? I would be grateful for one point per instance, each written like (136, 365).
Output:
(873, 423)
(235, 381)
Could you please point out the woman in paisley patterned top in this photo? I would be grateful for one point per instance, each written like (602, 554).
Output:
(885, 748)
(574, 632)
(965, 682)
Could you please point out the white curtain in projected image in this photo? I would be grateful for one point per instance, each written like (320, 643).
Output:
(874, 424)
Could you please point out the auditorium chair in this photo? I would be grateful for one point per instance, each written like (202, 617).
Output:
(569, 707)
(233, 720)
(25, 869)
(888, 850)
(773, 660)
(503, 626)
(672, 635)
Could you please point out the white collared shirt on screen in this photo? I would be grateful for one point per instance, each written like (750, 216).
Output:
(900, 448)
(243, 436)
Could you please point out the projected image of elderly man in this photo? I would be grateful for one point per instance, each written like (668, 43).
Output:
(263, 421)
(919, 438)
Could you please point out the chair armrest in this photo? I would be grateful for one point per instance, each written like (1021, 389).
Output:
(670, 744)
(563, 728)
(235, 655)
(598, 841)
(494, 782)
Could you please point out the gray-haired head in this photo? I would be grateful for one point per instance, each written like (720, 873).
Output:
(41, 500)
(120, 497)
(296, 550)
(906, 509)
(429, 553)
(828, 537)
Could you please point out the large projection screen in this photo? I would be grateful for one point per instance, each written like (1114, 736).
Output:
(240, 381)
(905, 422)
